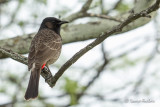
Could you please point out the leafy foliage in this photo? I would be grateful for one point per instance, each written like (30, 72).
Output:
(123, 7)
(71, 87)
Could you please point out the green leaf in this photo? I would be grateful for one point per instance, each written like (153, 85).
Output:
(123, 7)
(12, 78)
(71, 86)
(21, 23)
(21, 1)
(73, 99)
(2, 90)
(35, 15)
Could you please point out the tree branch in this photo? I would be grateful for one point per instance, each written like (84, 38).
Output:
(3, 1)
(102, 16)
(22, 59)
(102, 37)
(86, 6)
(52, 81)
(144, 70)
(99, 71)
(115, 6)
(81, 13)
(14, 55)
(73, 33)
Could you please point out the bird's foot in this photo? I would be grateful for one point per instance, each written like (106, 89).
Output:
(48, 72)
(45, 69)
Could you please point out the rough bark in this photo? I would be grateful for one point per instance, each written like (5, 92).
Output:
(79, 32)
(53, 79)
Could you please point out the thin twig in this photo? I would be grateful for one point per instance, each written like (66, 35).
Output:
(24, 60)
(102, 16)
(142, 74)
(102, 6)
(99, 71)
(3, 1)
(129, 51)
(14, 55)
(115, 6)
(52, 81)
(86, 6)
(80, 13)
(144, 70)
(13, 15)
(101, 38)
(148, 62)
(18, 87)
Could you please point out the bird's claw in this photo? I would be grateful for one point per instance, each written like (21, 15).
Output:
(47, 71)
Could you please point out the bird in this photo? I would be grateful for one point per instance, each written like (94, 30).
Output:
(44, 50)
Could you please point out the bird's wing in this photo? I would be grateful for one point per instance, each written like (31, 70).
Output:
(48, 46)
(31, 56)
(45, 45)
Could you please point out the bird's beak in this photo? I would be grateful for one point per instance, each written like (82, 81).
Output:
(63, 22)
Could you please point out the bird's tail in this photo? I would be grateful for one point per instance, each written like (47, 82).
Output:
(32, 90)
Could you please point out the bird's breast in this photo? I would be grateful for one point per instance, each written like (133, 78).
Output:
(54, 57)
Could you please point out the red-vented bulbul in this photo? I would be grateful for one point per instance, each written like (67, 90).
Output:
(44, 50)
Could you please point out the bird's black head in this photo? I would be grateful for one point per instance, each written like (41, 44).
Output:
(52, 23)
